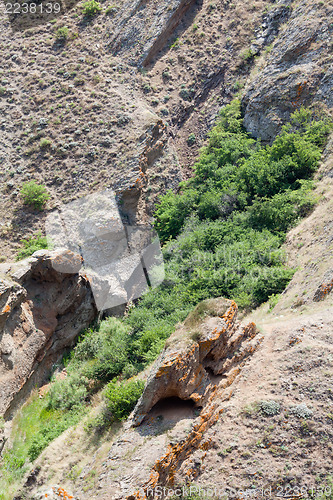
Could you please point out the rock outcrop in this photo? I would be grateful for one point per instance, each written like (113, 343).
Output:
(199, 354)
(145, 26)
(45, 303)
(298, 70)
(201, 370)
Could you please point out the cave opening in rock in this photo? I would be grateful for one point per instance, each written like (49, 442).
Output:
(173, 409)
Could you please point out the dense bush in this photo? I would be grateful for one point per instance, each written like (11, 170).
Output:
(235, 171)
(34, 194)
(69, 393)
(121, 398)
(102, 354)
(224, 230)
(31, 245)
(91, 8)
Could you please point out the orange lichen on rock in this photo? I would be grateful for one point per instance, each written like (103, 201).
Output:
(323, 291)
(231, 313)
(300, 87)
(165, 468)
(222, 349)
(60, 492)
(6, 309)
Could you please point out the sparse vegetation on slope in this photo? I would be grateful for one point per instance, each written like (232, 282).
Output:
(34, 427)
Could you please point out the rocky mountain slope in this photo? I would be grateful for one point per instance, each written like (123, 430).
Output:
(255, 420)
(126, 101)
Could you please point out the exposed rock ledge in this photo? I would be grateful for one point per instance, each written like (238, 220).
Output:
(42, 310)
(298, 71)
(201, 363)
(208, 346)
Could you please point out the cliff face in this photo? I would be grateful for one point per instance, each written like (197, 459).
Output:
(107, 120)
(297, 71)
(42, 312)
(188, 373)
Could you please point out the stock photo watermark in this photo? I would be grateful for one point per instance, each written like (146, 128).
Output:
(121, 261)
(225, 492)
(26, 14)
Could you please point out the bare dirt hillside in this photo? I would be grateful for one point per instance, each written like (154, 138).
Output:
(125, 101)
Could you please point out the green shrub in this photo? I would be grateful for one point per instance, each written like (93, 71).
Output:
(62, 34)
(247, 54)
(191, 139)
(269, 408)
(121, 398)
(273, 300)
(234, 173)
(69, 393)
(102, 355)
(34, 194)
(31, 245)
(91, 8)
(45, 143)
(175, 44)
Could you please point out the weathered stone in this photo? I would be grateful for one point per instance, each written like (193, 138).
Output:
(296, 73)
(197, 352)
(39, 318)
(325, 287)
(147, 25)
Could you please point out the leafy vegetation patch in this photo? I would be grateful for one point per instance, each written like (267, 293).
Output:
(62, 34)
(223, 232)
(31, 245)
(222, 236)
(121, 398)
(34, 194)
(34, 427)
(91, 8)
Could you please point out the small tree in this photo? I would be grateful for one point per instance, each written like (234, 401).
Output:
(34, 194)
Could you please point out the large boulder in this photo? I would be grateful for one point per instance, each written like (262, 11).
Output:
(44, 304)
